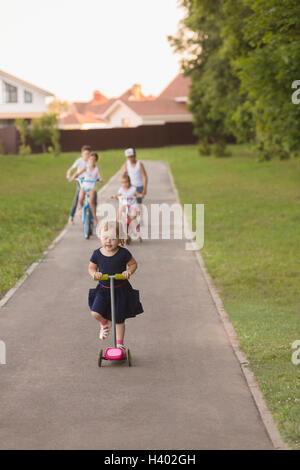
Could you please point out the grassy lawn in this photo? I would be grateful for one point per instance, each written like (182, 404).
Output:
(252, 244)
(35, 200)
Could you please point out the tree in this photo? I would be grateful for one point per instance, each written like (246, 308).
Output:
(22, 126)
(57, 107)
(267, 70)
(243, 57)
(214, 96)
(45, 133)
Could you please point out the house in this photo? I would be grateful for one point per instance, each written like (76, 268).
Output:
(169, 106)
(132, 108)
(20, 99)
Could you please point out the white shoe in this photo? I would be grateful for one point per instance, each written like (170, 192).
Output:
(104, 330)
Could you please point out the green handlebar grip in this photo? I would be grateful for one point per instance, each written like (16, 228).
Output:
(119, 277)
(105, 277)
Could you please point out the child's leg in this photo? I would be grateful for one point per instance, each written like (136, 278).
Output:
(99, 318)
(80, 199)
(92, 204)
(75, 202)
(120, 329)
(105, 325)
(121, 219)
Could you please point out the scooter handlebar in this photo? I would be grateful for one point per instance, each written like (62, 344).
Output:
(106, 277)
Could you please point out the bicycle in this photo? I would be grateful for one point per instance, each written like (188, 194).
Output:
(87, 214)
(129, 222)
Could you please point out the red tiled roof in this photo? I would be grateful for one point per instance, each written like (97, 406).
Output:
(164, 104)
(178, 88)
(69, 119)
(99, 109)
(77, 118)
(78, 107)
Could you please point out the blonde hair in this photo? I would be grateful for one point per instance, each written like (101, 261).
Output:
(126, 176)
(111, 225)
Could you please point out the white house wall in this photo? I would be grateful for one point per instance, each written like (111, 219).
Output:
(163, 118)
(38, 104)
(120, 113)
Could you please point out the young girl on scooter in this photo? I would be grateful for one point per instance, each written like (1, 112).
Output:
(128, 196)
(112, 258)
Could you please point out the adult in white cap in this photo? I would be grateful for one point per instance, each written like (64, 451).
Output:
(136, 172)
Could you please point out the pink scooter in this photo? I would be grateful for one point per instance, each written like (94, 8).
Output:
(113, 353)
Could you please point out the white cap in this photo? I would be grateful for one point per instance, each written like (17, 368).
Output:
(129, 152)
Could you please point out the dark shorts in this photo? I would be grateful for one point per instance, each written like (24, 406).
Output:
(139, 190)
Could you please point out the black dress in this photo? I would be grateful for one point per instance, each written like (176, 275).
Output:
(127, 299)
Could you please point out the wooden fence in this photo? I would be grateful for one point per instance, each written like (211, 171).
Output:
(177, 133)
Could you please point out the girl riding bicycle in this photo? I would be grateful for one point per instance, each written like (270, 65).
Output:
(91, 172)
(128, 197)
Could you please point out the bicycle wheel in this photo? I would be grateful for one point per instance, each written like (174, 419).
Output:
(86, 224)
(91, 226)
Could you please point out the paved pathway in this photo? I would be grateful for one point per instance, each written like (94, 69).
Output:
(186, 389)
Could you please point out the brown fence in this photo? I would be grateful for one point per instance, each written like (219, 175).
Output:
(177, 133)
(118, 138)
(9, 138)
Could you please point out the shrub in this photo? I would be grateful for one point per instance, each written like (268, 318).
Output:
(24, 150)
(203, 147)
(219, 149)
(44, 132)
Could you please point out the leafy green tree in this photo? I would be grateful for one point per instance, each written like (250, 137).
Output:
(57, 107)
(214, 96)
(242, 57)
(22, 126)
(267, 70)
(45, 133)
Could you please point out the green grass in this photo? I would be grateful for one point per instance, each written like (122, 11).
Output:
(252, 244)
(35, 201)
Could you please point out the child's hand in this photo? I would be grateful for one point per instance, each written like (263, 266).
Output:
(126, 274)
(98, 275)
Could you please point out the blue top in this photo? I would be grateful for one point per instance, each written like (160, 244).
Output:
(115, 264)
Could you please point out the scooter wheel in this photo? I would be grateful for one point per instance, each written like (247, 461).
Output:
(100, 357)
(129, 361)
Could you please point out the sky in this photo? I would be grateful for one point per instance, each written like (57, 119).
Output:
(73, 47)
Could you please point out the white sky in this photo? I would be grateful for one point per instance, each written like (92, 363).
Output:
(72, 47)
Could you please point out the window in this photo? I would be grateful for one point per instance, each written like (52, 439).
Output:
(27, 97)
(10, 93)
